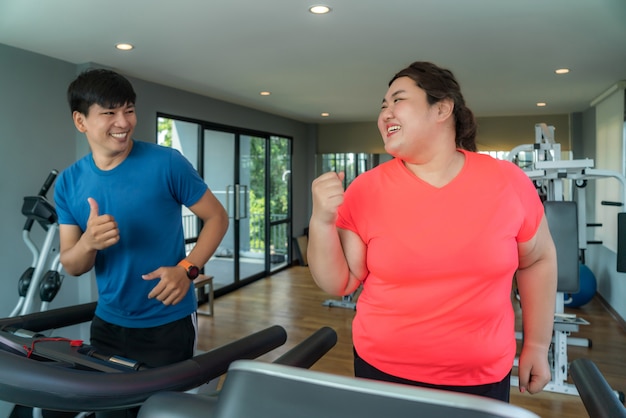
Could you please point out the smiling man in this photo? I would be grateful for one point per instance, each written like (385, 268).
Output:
(120, 213)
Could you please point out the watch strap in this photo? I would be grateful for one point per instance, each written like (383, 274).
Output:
(191, 270)
(184, 263)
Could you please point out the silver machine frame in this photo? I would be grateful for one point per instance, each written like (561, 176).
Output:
(549, 171)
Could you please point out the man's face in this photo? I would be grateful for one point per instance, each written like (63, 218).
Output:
(109, 131)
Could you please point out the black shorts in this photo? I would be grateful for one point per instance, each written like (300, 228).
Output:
(154, 347)
(499, 390)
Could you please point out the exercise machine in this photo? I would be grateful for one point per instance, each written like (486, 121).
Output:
(42, 280)
(599, 399)
(567, 222)
(558, 179)
(61, 374)
(346, 302)
(286, 388)
(268, 390)
(185, 405)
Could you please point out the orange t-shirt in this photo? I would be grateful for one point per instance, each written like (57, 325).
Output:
(435, 306)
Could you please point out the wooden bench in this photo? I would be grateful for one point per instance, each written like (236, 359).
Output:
(204, 293)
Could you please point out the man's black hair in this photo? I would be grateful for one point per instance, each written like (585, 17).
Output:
(103, 87)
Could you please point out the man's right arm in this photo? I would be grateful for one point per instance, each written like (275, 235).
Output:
(76, 258)
(78, 248)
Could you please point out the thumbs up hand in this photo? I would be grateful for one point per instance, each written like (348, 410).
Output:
(101, 230)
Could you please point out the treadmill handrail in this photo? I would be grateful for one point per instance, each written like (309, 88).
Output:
(599, 399)
(44, 385)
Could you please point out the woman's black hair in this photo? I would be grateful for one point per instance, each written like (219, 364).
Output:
(439, 83)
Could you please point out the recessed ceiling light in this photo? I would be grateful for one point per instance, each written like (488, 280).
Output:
(541, 104)
(124, 47)
(319, 9)
(325, 114)
(265, 93)
(562, 71)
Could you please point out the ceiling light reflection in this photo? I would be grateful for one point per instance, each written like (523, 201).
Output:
(319, 9)
(124, 47)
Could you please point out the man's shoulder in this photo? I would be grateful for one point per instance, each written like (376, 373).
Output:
(149, 146)
(77, 166)
(153, 149)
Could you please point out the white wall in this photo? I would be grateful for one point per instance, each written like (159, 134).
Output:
(609, 155)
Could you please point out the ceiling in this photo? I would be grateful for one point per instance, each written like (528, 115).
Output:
(504, 53)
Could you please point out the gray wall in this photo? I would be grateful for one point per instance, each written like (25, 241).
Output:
(153, 98)
(36, 139)
(494, 134)
(38, 135)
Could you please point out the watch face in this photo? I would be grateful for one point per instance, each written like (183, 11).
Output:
(193, 272)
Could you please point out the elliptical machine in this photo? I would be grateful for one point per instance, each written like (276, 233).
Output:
(37, 283)
(41, 281)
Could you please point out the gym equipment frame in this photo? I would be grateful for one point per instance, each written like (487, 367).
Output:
(568, 227)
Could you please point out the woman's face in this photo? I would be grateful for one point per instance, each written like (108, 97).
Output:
(406, 121)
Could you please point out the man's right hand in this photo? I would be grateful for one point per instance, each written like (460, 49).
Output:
(102, 231)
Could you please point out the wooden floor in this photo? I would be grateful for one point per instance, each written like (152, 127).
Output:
(291, 299)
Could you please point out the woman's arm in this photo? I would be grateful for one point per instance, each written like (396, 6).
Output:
(537, 283)
(336, 256)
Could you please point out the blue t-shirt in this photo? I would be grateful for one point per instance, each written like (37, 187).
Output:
(144, 194)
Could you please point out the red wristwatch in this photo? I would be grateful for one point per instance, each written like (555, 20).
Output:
(192, 271)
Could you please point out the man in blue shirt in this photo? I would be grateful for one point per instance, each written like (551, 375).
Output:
(120, 213)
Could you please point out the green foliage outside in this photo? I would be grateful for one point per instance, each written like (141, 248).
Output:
(164, 127)
(279, 180)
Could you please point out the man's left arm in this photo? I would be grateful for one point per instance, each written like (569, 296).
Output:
(174, 283)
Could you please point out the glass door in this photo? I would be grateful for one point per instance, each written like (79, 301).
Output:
(234, 169)
(280, 202)
(250, 174)
(249, 206)
(218, 161)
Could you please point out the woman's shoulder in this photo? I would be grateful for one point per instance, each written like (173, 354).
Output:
(486, 161)
(505, 173)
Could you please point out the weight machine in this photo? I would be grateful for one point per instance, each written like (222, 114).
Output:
(567, 222)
